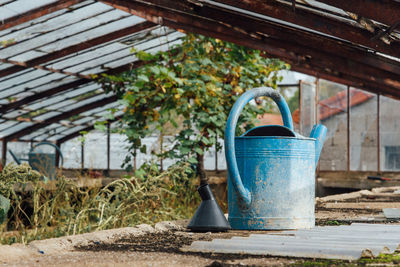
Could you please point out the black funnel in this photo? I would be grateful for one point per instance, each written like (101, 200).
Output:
(209, 216)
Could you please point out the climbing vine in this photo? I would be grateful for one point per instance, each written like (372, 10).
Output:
(191, 88)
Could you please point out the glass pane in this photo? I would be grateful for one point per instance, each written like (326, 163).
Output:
(332, 107)
(390, 134)
(96, 150)
(118, 150)
(363, 131)
(20, 150)
(274, 117)
(72, 153)
(292, 97)
(307, 108)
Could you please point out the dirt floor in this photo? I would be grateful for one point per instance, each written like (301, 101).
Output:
(161, 245)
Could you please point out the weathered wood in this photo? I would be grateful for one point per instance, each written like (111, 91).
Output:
(78, 133)
(285, 33)
(64, 87)
(277, 48)
(36, 13)
(378, 206)
(44, 94)
(34, 63)
(384, 11)
(341, 197)
(384, 190)
(62, 116)
(4, 153)
(354, 183)
(315, 21)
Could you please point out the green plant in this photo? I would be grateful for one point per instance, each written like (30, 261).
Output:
(62, 208)
(4, 207)
(5, 43)
(192, 88)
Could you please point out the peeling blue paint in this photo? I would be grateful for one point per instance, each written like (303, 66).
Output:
(271, 179)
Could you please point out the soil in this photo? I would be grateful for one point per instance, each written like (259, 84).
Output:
(168, 242)
(162, 246)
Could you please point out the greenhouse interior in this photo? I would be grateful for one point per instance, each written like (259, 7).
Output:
(76, 159)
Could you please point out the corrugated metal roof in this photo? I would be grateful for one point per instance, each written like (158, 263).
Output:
(47, 62)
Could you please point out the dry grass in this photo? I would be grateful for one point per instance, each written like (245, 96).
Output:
(68, 209)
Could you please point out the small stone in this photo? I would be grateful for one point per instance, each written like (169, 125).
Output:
(167, 226)
(146, 228)
(160, 227)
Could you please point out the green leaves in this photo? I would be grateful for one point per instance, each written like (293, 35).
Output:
(143, 78)
(4, 207)
(188, 93)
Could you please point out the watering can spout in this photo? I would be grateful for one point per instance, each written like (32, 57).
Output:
(319, 133)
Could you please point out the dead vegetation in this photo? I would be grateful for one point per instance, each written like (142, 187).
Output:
(70, 210)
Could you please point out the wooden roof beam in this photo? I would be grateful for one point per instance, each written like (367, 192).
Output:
(345, 79)
(75, 48)
(64, 87)
(63, 116)
(78, 133)
(36, 13)
(151, 10)
(278, 48)
(384, 11)
(303, 38)
(317, 22)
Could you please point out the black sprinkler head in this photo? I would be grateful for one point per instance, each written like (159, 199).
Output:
(209, 216)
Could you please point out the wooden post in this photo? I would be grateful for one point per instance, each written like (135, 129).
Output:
(58, 143)
(82, 154)
(378, 122)
(161, 151)
(108, 147)
(348, 127)
(4, 153)
(216, 153)
(134, 161)
(300, 109)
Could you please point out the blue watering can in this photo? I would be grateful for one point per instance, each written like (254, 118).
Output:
(45, 163)
(271, 170)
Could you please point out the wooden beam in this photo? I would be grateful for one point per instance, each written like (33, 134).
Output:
(64, 87)
(58, 154)
(75, 134)
(36, 13)
(384, 11)
(108, 147)
(312, 20)
(346, 80)
(47, 93)
(19, 66)
(299, 62)
(320, 43)
(78, 133)
(65, 115)
(282, 48)
(290, 34)
(4, 153)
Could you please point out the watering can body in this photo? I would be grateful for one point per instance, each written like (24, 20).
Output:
(271, 171)
(45, 163)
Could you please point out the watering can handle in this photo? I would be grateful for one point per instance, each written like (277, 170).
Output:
(233, 170)
(50, 144)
